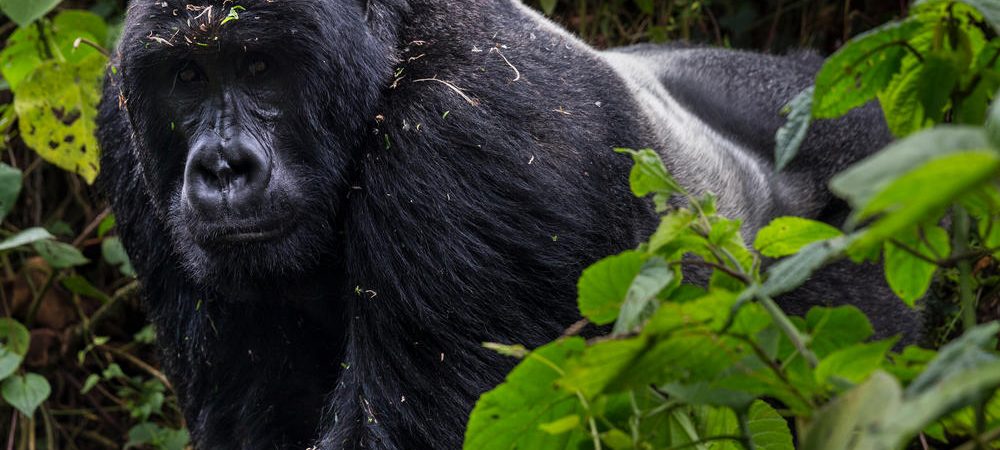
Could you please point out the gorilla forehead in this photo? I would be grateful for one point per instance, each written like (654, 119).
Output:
(185, 27)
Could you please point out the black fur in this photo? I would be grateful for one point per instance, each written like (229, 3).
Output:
(424, 221)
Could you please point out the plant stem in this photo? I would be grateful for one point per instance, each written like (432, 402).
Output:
(960, 231)
(786, 325)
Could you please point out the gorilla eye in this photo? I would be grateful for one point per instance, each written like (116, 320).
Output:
(188, 75)
(257, 67)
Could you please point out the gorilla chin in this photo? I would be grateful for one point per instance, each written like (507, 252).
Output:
(237, 247)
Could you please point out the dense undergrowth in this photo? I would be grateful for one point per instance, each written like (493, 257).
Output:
(78, 368)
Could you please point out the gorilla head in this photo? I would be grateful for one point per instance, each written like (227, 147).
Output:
(246, 118)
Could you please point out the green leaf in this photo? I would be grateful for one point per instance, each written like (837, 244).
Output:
(10, 188)
(972, 349)
(509, 415)
(841, 424)
(57, 104)
(650, 176)
(640, 301)
(25, 392)
(768, 430)
(160, 438)
(790, 136)
(965, 388)
(60, 255)
(787, 235)
(924, 193)
(910, 276)
(90, 383)
(901, 103)
(859, 70)
(854, 363)
(990, 9)
(80, 286)
(29, 236)
(14, 341)
(114, 253)
(671, 227)
(917, 98)
(604, 285)
(106, 225)
(24, 12)
(790, 273)
(833, 329)
(70, 24)
(864, 180)
(23, 53)
(965, 372)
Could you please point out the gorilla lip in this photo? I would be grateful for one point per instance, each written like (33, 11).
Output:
(252, 233)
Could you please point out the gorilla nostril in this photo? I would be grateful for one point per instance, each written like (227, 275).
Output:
(230, 174)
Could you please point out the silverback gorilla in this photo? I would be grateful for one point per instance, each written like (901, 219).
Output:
(332, 203)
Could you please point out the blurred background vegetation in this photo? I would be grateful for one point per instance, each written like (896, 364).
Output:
(82, 368)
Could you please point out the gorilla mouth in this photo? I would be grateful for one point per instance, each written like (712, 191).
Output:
(259, 232)
(240, 235)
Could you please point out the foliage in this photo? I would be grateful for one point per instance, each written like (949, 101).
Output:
(69, 363)
(706, 366)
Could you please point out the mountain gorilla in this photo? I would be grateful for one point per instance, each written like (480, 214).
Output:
(332, 203)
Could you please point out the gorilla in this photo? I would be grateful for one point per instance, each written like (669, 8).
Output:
(331, 204)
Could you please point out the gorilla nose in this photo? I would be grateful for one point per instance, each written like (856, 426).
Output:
(228, 174)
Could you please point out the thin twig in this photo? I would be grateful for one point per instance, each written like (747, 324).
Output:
(91, 226)
(517, 73)
(140, 364)
(451, 86)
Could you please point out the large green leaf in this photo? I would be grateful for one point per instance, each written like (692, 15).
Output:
(910, 276)
(25, 392)
(990, 9)
(833, 329)
(842, 424)
(791, 272)
(509, 416)
(924, 193)
(23, 12)
(25, 50)
(14, 340)
(854, 363)
(864, 180)
(787, 235)
(859, 70)
(604, 285)
(57, 105)
(640, 301)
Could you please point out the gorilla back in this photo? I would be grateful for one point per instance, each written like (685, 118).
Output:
(332, 203)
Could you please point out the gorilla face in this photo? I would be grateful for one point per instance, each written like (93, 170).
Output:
(246, 120)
